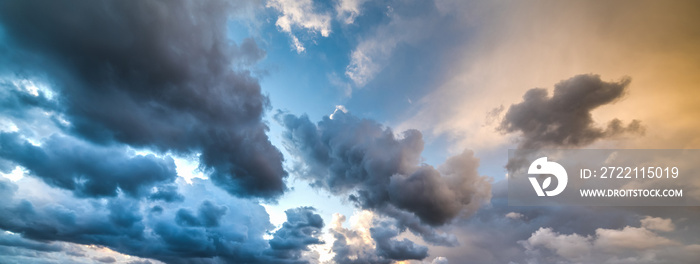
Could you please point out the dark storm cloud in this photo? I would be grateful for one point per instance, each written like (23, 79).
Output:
(209, 215)
(85, 169)
(565, 118)
(394, 249)
(14, 240)
(14, 102)
(116, 222)
(221, 229)
(381, 171)
(160, 75)
(303, 228)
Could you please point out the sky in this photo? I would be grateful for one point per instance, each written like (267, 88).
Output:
(342, 131)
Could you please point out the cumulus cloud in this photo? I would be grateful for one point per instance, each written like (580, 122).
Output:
(159, 75)
(565, 119)
(658, 224)
(212, 228)
(440, 260)
(605, 246)
(303, 228)
(395, 249)
(371, 239)
(379, 171)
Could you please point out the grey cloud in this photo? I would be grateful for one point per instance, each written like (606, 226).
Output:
(430, 234)
(106, 259)
(14, 240)
(303, 228)
(140, 262)
(564, 119)
(350, 245)
(191, 231)
(359, 157)
(85, 169)
(167, 193)
(629, 244)
(15, 102)
(491, 237)
(395, 249)
(160, 75)
(381, 172)
(185, 217)
(211, 214)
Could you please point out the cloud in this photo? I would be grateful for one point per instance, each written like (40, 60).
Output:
(348, 10)
(13, 240)
(583, 234)
(300, 15)
(501, 49)
(658, 224)
(208, 226)
(209, 215)
(395, 249)
(15, 249)
(378, 171)
(303, 228)
(605, 246)
(159, 75)
(371, 239)
(382, 172)
(571, 247)
(565, 118)
(440, 260)
(107, 259)
(401, 27)
(88, 170)
(514, 215)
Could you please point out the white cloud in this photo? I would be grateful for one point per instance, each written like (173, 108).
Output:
(300, 15)
(348, 10)
(658, 224)
(514, 215)
(440, 260)
(571, 247)
(339, 108)
(612, 240)
(16, 174)
(626, 245)
(373, 53)
(363, 60)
